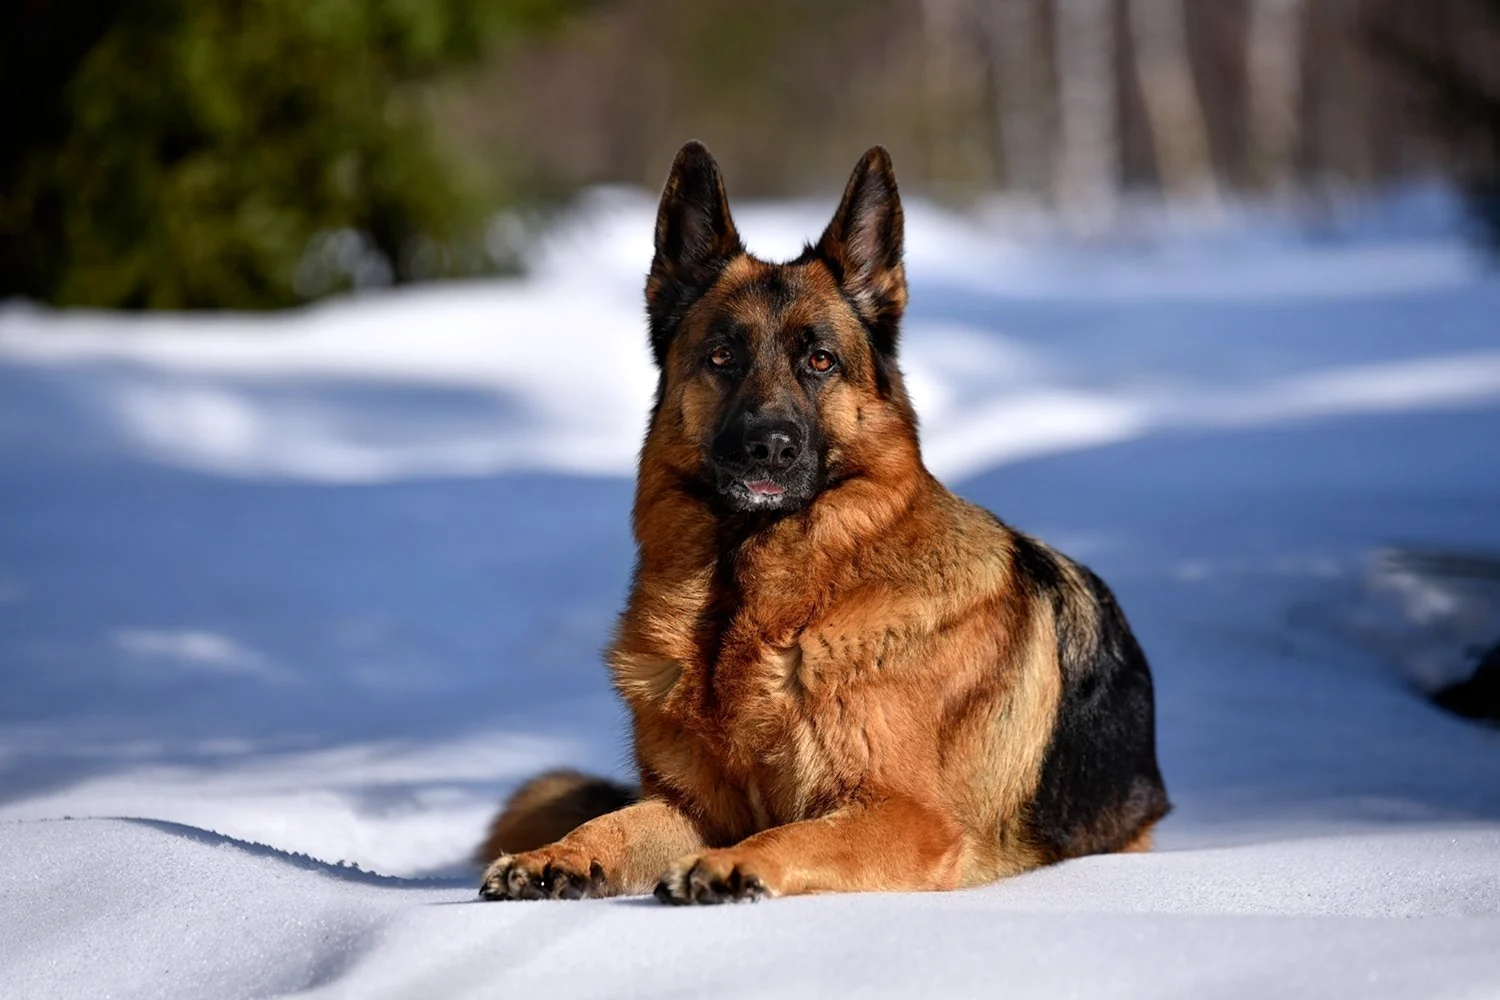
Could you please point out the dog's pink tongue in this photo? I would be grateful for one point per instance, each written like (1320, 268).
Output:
(765, 488)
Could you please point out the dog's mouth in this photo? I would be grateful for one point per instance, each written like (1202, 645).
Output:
(761, 490)
(758, 492)
(757, 488)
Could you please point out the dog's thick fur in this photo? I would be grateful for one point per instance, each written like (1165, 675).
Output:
(842, 677)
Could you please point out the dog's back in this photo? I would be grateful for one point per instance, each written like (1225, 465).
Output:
(1100, 788)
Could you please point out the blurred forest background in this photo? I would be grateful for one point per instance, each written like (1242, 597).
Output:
(261, 153)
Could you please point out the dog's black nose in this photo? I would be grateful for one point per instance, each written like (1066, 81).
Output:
(775, 444)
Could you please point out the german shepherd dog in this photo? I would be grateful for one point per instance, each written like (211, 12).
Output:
(842, 677)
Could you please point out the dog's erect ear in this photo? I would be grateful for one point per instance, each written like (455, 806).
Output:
(695, 236)
(862, 245)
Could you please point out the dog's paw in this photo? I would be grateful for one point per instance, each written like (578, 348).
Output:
(546, 873)
(715, 877)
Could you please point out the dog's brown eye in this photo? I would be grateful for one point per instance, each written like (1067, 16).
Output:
(820, 361)
(721, 357)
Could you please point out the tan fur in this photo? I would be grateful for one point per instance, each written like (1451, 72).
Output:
(867, 707)
(547, 808)
(1140, 844)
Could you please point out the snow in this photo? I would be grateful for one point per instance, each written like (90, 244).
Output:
(136, 908)
(324, 585)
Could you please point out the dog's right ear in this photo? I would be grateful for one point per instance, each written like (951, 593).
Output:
(695, 238)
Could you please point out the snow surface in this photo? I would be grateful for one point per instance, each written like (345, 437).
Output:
(324, 585)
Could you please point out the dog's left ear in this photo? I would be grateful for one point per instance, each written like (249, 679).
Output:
(862, 246)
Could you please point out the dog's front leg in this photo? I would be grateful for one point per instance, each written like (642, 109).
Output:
(618, 854)
(894, 844)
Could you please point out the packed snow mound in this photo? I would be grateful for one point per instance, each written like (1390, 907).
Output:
(137, 909)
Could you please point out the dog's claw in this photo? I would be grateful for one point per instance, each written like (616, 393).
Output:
(529, 878)
(704, 884)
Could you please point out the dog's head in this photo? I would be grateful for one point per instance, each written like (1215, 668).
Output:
(777, 380)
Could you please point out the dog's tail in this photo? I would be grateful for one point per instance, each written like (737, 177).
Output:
(549, 807)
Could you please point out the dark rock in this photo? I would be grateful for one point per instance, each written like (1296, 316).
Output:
(1479, 696)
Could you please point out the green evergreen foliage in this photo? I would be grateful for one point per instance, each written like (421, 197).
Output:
(200, 150)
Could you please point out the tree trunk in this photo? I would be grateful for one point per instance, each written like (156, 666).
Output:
(1273, 62)
(1018, 63)
(1088, 170)
(1173, 110)
(951, 72)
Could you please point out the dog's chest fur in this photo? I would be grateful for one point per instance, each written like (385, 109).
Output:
(758, 725)
(764, 702)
